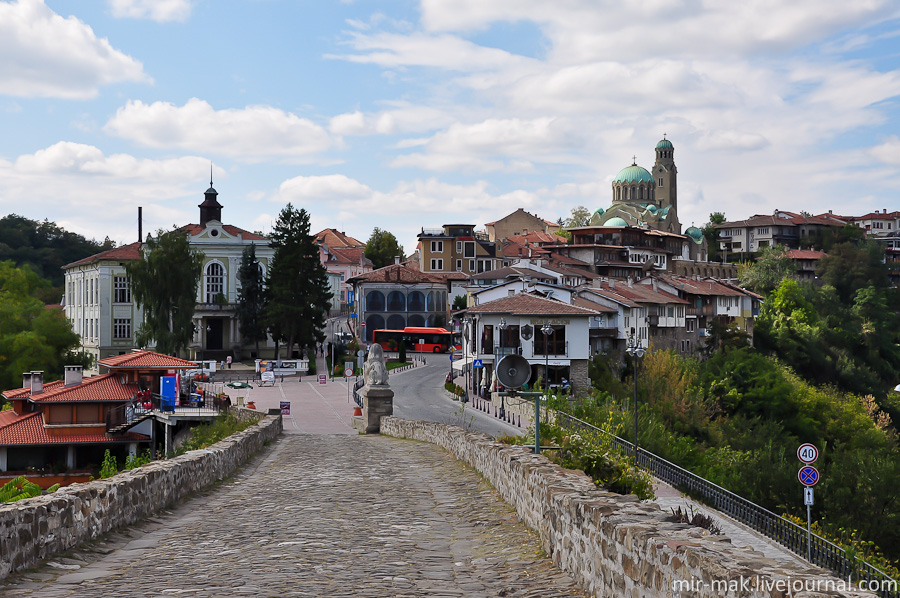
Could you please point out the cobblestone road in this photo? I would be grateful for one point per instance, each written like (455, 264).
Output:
(320, 516)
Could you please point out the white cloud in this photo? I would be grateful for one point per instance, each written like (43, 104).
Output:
(251, 134)
(888, 152)
(86, 191)
(403, 117)
(46, 55)
(156, 10)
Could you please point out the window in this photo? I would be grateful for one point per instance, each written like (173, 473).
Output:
(459, 247)
(685, 346)
(762, 231)
(469, 249)
(659, 182)
(437, 265)
(689, 325)
(122, 328)
(670, 311)
(121, 290)
(342, 276)
(554, 344)
(459, 265)
(215, 281)
(437, 247)
(472, 266)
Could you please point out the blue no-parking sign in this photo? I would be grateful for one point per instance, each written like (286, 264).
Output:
(808, 476)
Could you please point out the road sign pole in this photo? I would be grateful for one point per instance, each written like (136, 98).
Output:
(808, 533)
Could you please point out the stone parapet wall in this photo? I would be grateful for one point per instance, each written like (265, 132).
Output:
(35, 529)
(614, 544)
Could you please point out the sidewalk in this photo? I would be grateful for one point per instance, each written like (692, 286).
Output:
(315, 408)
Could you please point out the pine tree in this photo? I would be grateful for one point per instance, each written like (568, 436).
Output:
(297, 292)
(164, 284)
(251, 300)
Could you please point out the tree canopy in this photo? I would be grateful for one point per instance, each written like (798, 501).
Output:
(297, 292)
(382, 247)
(711, 234)
(579, 216)
(45, 248)
(768, 270)
(164, 284)
(32, 336)
(251, 298)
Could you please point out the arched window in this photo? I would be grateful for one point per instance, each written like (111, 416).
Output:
(415, 301)
(373, 323)
(396, 322)
(396, 301)
(415, 320)
(429, 301)
(633, 193)
(375, 301)
(215, 281)
(619, 193)
(642, 192)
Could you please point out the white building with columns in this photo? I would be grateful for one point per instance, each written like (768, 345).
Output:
(99, 304)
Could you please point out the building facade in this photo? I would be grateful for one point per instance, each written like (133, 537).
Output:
(457, 248)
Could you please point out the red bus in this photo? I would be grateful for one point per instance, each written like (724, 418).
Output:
(426, 340)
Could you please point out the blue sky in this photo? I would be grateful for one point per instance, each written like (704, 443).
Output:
(409, 114)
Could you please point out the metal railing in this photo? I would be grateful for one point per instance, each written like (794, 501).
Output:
(783, 531)
(357, 398)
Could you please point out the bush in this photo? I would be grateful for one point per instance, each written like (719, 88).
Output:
(109, 468)
(206, 435)
(456, 389)
(135, 461)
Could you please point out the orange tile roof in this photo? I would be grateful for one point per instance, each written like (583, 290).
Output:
(106, 387)
(588, 304)
(701, 287)
(806, 254)
(335, 238)
(123, 253)
(146, 360)
(29, 429)
(196, 229)
(527, 304)
(398, 273)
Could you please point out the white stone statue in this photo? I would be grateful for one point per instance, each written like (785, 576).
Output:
(375, 373)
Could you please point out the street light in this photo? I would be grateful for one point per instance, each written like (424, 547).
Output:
(466, 321)
(502, 326)
(635, 350)
(547, 330)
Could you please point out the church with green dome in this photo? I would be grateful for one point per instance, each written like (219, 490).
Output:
(644, 198)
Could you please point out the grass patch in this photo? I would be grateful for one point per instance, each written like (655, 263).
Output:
(206, 435)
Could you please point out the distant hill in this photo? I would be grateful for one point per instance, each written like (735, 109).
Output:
(45, 248)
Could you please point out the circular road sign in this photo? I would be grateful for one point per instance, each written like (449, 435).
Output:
(348, 372)
(808, 453)
(808, 476)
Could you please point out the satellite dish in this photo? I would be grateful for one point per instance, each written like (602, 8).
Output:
(513, 371)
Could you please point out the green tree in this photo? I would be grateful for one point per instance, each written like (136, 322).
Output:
(32, 337)
(849, 267)
(297, 292)
(711, 234)
(579, 216)
(771, 267)
(251, 298)
(459, 302)
(382, 247)
(164, 284)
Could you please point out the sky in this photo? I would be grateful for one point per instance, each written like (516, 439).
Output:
(408, 114)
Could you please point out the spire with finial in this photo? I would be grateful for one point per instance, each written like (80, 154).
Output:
(210, 175)
(634, 160)
(210, 209)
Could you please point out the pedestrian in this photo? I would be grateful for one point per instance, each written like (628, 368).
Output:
(228, 361)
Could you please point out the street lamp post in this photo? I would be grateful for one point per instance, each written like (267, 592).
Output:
(502, 326)
(547, 330)
(635, 350)
(466, 321)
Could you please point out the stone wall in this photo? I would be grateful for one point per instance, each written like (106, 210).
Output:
(35, 529)
(613, 544)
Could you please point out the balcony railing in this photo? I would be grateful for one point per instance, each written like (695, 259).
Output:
(558, 349)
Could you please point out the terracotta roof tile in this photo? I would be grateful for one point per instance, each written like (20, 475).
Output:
(806, 254)
(123, 253)
(29, 429)
(398, 273)
(527, 304)
(106, 387)
(588, 304)
(146, 360)
(18, 393)
(196, 229)
(705, 286)
(335, 238)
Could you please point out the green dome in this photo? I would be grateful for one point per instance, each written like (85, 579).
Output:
(665, 144)
(615, 222)
(695, 234)
(633, 174)
(595, 218)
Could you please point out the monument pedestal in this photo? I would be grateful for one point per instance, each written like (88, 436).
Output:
(378, 401)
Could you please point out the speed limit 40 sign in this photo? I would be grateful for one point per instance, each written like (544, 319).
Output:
(807, 453)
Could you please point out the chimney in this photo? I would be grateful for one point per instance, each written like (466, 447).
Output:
(654, 282)
(396, 260)
(612, 284)
(37, 383)
(73, 375)
(140, 224)
(26, 380)
(830, 212)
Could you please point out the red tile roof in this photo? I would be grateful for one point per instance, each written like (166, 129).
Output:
(335, 238)
(196, 229)
(528, 304)
(706, 286)
(588, 304)
(879, 216)
(806, 254)
(640, 293)
(146, 360)
(537, 236)
(29, 429)
(352, 256)
(398, 273)
(117, 254)
(106, 387)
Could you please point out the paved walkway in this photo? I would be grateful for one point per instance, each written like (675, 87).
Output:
(320, 515)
